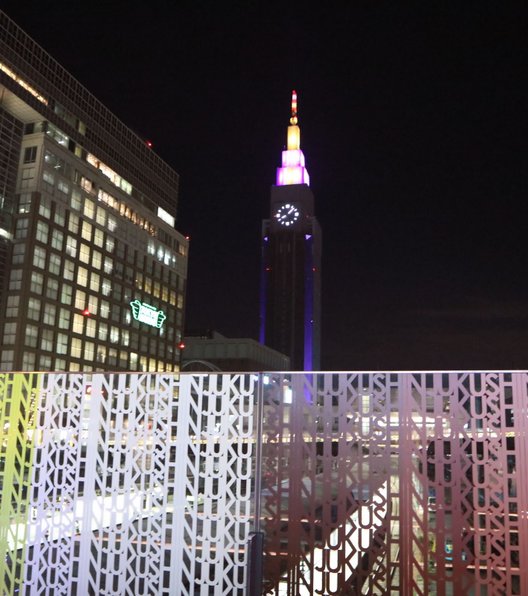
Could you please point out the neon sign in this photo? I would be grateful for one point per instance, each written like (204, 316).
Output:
(145, 313)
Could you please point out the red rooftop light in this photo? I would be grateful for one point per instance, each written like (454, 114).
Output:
(86, 312)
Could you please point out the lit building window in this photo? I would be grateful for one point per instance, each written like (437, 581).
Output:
(82, 276)
(73, 223)
(110, 244)
(98, 238)
(24, 202)
(89, 351)
(97, 259)
(89, 208)
(58, 216)
(80, 299)
(105, 309)
(71, 246)
(75, 200)
(42, 232)
(30, 154)
(31, 336)
(86, 231)
(39, 257)
(102, 331)
(21, 228)
(66, 294)
(54, 264)
(57, 239)
(108, 265)
(15, 280)
(93, 303)
(44, 207)
(52, 289)
(46, 340)
(19, 251)
(69, 270)
(48, 178)
(12, 306)
(44, 362)
(90, 327)
(55, 162)
(109, 173)
(87, 185)
(57, 135)
(37, 283)
(7, 359)
(101, 354)
(48, 315)
(112, 223)
(12, 74)
(100, 217)
(84, 253)
(78, 323)
(64, 318)
(106, 288)
(33, 309)
(114, 335)
(63, 187)
(28, 361)
(95, 282)
(76, 347)
(10, 333)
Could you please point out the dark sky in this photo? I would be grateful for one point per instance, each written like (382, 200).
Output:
(411, 118)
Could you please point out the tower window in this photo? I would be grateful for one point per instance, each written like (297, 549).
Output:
(30, 154)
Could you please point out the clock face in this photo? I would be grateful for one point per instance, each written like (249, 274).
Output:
(287, 214)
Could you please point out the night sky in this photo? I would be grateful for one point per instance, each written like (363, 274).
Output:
(410, 119)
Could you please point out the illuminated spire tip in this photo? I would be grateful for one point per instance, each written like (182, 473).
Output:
(293, 119)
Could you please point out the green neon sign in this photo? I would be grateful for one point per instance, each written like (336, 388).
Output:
(145, 313)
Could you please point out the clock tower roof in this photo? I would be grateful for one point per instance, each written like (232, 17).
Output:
(293, 169)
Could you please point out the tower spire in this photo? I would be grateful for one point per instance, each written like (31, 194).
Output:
(293, 119)
(293, 170)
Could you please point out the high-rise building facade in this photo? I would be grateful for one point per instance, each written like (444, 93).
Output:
(290, 302)
(92, 270)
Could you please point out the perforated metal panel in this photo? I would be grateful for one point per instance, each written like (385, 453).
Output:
(362, 483)
(400, 483)
(125, 484)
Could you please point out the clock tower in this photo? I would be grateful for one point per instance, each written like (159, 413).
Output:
(290, 301)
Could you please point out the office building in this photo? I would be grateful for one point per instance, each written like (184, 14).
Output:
(290, 301)
(93, 272)
(209, 350)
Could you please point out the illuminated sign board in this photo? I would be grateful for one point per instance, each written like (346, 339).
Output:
(150, 315)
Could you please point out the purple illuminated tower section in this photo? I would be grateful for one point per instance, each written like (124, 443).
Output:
(290, 300)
